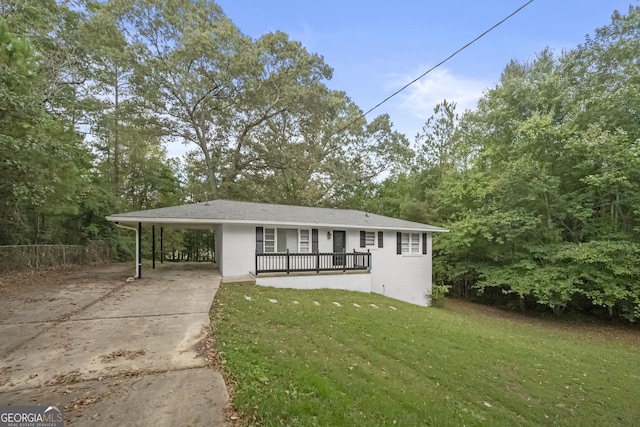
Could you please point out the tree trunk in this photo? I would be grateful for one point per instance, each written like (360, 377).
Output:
(116, 141)
(547, 203)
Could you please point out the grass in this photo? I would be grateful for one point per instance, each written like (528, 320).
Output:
(327, 365)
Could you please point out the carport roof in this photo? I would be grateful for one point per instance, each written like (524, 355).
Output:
(198, 215)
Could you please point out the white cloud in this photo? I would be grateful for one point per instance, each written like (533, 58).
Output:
(419, 99)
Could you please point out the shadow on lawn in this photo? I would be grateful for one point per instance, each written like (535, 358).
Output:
(590, 327)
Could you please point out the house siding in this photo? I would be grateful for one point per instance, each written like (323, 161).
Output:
(360, 282)
(405, 277)
(238, 249)
(325, 244)
(219, 239)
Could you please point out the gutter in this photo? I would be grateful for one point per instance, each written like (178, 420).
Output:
(206, 223)
(138, 261)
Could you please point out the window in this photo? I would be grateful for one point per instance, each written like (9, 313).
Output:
(283, 239)
(304, 241)
(410, 243)
(269, 240)
(415, 243)
(406, 243)
(367, 239)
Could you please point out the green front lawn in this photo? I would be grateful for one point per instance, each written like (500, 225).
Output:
(328, 365)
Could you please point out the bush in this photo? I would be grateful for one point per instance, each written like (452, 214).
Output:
(437, 296)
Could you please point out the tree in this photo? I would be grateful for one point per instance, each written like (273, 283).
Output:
(53, 28)
(264, 124)
(606, 66)
(40, 158)
(188, 69)
(109, 101)
(438, 137)
(538, 184)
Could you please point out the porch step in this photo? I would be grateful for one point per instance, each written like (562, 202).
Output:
(247, 278)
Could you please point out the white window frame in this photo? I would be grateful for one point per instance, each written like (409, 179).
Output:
(269, 243)
(304, 242)
(374, 242)
(411, 243)
(270, 239)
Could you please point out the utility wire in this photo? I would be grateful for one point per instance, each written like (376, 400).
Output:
(435, 66)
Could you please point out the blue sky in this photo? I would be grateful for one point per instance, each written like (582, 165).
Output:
(376, 47)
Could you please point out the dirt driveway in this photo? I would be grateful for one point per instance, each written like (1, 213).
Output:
(113, 352)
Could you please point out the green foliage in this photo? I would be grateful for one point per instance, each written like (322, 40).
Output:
(91, 93)
(257, 113)
(41, 159)
(438, 294)
(605, 272)
(539, 184)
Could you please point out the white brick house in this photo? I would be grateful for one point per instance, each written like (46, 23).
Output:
(307, 248)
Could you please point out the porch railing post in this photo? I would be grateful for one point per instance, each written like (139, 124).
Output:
(287, 261)
(344, 259)
(257, 262)
(153, 246)
(317, 262)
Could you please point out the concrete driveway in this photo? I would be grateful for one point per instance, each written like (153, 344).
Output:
(113, 352)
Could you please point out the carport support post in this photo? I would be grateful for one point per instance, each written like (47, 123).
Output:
(139, 251)
(161, 246)
(153, 247)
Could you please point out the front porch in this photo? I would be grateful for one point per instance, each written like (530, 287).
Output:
(294, 262)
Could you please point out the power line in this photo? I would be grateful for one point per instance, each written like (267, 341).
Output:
(435, 66)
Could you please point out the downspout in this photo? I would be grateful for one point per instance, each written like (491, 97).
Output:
(136, 276)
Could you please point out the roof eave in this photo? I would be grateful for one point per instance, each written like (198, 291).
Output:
(200, 222)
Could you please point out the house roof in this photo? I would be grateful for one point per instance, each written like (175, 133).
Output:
(205, 214)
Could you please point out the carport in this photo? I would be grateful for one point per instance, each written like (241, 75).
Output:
(135, 225)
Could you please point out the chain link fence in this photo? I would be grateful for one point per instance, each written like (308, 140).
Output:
(24, 257)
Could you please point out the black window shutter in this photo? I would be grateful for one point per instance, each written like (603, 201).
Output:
(380, 244)
(314, 240)
(259, 240)
(399, 243)
(424, 243)
(363, 242)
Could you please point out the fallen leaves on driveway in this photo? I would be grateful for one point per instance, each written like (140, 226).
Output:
(126, 354)
(72, 377)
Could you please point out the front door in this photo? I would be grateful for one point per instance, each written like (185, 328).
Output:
(339, 245)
